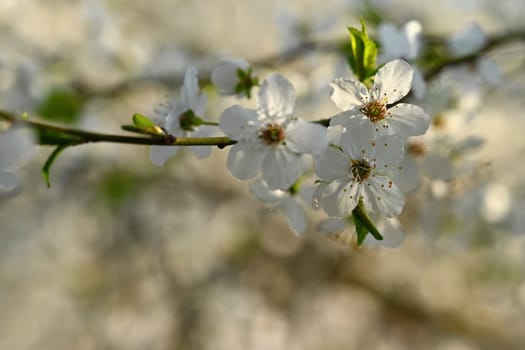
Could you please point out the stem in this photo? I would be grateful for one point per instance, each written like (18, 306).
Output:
(209, 123)
(73, 136)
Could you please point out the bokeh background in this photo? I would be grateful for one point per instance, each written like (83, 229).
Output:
(120, 254)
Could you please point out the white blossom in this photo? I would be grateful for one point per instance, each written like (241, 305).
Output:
(359, 170)
(225, 76)
(289, 202)
(467, 41)
(270, 140)
(405, 42)
(175, 120)
(17, 146)
(391, 83)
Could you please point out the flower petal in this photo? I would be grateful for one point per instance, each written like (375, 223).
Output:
(348, 94)
(305, 137)
(341, 197)
(383, 196)
(159, 155)
(412, 31)
(8, 181)
(332, 164)
(244, 160)
(263, 193)
(203, 152)
(356, 136)
(333, 225)
(296, 215)
(224, 76)
(388, 151)
(190, 93)
(393, 81)
(239, 123)
(276, 97)
(408, 178)
(407, 120)
(17, 146)
(419, 86)
(281, 167)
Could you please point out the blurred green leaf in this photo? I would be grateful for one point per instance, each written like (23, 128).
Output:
(61, 105)
(49, 162)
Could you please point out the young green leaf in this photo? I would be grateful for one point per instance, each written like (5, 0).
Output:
(142, 121)
(362, 55)
(49, 162)
(363, 224)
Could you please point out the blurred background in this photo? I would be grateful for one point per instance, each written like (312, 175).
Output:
(120, 254)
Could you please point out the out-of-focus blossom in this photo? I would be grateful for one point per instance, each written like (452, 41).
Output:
(467, 41)
(17, 146)
(178, 120)
(290, 202)
(405, 42)
(226, 75)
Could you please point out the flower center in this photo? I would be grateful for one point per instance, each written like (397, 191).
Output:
(375, 111)
(187, 120)
(360, 170)
(272, 134)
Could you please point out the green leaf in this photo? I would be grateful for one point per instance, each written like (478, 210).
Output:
(363, 224)
(49, 162)
(143, 125)
(361, 231)
(362, 53)
(143, 122)
(61, 105)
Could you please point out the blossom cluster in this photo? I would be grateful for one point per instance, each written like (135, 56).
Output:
(356, 157)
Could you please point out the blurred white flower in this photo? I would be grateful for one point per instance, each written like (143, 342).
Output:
(269, 139)
(405, 42)
(290, 202)
(467, 41)
(225, 76)
(497, 202)
(391, 83)
(177, 120)
(17, 146)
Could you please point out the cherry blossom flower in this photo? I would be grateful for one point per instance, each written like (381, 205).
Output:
(270, 140)
(391, 83)
(290, 202)
(233, 76)
(178, 120)
(17, 146)
(359, 170)
(467, 41)
(405, 42)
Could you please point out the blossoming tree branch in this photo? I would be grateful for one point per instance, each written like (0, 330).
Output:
(355, 165)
